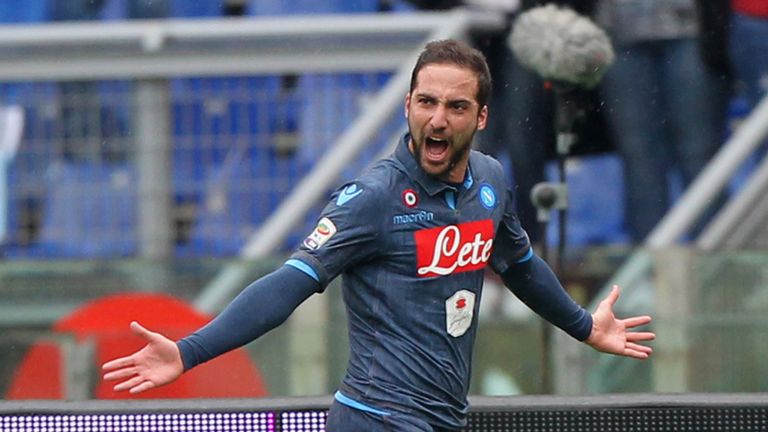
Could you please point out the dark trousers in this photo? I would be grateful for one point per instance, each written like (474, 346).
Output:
(342, 418)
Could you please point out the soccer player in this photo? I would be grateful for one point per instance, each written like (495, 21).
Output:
(411, 238)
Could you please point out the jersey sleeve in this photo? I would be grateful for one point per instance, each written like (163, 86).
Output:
(346, 233)
(511, 244)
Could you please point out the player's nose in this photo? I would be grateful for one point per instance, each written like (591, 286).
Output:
(438, 120)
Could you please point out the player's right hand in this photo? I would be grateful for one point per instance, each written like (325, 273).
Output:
(157, 364)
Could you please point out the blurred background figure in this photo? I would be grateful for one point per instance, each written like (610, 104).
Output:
(521, 131)
(749, 47)
(654, 97)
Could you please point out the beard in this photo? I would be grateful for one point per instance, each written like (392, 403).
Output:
(459, 149)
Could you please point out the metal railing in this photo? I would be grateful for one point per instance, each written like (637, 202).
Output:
(696, 199)
(152, 53)
(659, 277)
(456, 24)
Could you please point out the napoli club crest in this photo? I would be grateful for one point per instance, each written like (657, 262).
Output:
(487, 196)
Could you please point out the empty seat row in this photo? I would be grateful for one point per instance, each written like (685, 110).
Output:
(239, 146)
(38, 11)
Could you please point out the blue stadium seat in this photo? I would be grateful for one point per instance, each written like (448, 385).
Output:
(241, 188)
(225, 132)
(209, 116)
(331, 102)
(196, 8)
(32, 158)
(89, 211)
(738, 110)
(32, 11)
(328, 102)
(12, 245)
(596, 202)
(25, 94)
(142, 9)
(115, 10)
(238, 197)
(281, 7)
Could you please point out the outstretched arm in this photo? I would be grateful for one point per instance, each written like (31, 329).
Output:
(260, 307)
(611, 335)
(534, 283)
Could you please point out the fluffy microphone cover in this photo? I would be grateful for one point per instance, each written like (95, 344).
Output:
(561, 45)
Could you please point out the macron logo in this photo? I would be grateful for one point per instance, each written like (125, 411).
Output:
(348, 194)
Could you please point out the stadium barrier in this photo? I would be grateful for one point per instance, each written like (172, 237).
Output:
(743, 412)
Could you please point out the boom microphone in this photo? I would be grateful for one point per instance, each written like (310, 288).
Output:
(561, 45)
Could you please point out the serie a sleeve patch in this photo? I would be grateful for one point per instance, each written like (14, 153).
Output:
(323, 232)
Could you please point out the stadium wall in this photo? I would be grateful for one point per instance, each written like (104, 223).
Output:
(640, 412)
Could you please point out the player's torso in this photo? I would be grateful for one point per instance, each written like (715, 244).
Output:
(434, 245)
(419, 297)
(438, 237)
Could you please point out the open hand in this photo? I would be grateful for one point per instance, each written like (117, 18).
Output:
(157, 364)
(612, 335)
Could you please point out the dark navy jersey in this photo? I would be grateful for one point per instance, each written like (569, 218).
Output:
(412, 250)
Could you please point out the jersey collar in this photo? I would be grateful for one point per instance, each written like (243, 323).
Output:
(430, 184)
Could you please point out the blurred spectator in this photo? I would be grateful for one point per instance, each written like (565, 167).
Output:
(714, 27)
(665, 104)
(11, 125)
(522, 124)
(749, 47)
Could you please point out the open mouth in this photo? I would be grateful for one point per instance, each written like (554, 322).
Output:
(435, 147)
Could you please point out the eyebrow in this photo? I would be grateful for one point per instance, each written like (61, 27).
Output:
(448, 102)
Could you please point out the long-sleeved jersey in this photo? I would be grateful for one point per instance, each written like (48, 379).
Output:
(412, 250)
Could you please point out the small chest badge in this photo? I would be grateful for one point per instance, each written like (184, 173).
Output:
(487, 196)
(459, 311)
(410, 199)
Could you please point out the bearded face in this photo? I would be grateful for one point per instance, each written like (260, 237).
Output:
(443, 116)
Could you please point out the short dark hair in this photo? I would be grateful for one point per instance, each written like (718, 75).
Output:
(454, 52)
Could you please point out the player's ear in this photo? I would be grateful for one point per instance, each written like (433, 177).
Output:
(407, 103)
(482, 117)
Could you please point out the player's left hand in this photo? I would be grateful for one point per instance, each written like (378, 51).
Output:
(612, 335)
